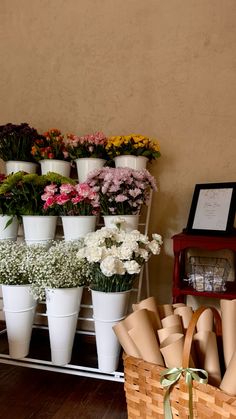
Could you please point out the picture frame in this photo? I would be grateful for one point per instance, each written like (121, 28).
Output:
(212, 209)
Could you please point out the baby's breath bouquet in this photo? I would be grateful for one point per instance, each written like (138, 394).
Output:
(15, 259)
(133, 144)
(58, 267)
(115, 257)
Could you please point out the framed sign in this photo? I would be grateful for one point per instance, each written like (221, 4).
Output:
(213, 209)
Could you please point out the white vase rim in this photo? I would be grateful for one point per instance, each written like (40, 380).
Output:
(54, 160)
(113, 292)
(81, 216)
(132, 156)
(90, 158)
(21, 161)
(39, 216)
(121, 215)
(16, 285)
(63, 288)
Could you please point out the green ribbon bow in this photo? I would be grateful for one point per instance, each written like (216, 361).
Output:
(170, 376)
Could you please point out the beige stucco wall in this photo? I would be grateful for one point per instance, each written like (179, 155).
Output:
(163, 68)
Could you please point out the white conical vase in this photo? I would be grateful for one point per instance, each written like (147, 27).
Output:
(63, 305)
(130, 223)
(77, 226)
(108, 309)
(9, 232)
(57, 166)
(39, 229)
(132, 162)
(19, 308)
(86, 165)
(13, 166)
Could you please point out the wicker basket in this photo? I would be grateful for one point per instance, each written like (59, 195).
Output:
(144, 393)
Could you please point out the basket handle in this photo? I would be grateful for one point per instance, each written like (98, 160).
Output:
(191, 328)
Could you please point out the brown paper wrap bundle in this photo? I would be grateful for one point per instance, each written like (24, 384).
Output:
(228, 383)
(186, 313)
(172, 350)
(165, 310)
(228, 315)
(137, 328)
(150, 305)
(208, 357)
(172, 320)
(205, 321)
(167, 331)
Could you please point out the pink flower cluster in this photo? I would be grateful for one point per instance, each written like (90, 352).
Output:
(122, 190)
(79, 199)
(91, 145)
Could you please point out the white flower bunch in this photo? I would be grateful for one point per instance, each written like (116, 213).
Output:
(14, 262)
(58, 267)
(115, 256)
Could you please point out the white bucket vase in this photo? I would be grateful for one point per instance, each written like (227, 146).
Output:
(39, 229)
(77, 226)
(57, 166)
(10, 232)
(130, 222)
(63, 305)
(19, 308)
(86, 165)
(13, 166)
(108, 309)
(132, 162)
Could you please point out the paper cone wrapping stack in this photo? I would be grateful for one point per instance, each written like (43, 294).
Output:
(156, 334)
(228, 315)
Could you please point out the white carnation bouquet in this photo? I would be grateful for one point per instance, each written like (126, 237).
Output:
(115, 257)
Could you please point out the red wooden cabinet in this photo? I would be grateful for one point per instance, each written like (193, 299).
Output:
(182, 242)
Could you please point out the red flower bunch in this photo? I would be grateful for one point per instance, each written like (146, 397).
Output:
(79, 199)
(51, 145)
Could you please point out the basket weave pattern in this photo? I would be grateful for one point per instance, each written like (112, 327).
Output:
(144, 395)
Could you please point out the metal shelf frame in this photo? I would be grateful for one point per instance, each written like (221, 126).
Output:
(75, 369)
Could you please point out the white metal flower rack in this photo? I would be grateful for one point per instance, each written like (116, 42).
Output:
(142, 290)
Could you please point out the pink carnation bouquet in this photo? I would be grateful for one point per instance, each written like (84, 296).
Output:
(67, 199)
(122, 191)
(91, 145)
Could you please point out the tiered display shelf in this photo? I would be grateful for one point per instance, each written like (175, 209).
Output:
(81, 365)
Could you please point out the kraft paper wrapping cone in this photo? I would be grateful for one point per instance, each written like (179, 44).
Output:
(172, 350)
(172, 320)
(207, 351)
(186, 314)
(147, 345)
(167, 331)
(125, 340)
(151, 305)
(228, 315)
(147, 342)
(165, 310)
(176, 305)
(205, 321)
(228, 384)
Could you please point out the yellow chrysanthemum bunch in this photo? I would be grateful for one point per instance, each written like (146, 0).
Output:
(134, 144)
